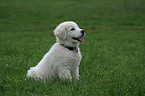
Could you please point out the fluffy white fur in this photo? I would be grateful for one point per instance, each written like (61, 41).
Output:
(60, 61)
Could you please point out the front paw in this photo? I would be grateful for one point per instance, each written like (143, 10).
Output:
(76, 77)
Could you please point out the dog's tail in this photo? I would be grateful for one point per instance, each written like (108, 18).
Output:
(33, 73)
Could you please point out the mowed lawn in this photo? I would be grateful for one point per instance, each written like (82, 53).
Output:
(113, 54)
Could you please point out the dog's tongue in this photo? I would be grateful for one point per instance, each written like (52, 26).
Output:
(81, 39)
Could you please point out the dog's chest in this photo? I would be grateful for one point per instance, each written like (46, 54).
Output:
(74, 57)
(70, 56)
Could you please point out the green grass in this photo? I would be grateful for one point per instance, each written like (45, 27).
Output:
(113, 54)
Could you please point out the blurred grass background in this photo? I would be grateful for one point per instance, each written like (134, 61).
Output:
(113, 53)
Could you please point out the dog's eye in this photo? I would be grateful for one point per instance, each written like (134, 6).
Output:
(72, 29)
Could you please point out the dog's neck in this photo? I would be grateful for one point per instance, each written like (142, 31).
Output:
(70, 48)
(68, 44)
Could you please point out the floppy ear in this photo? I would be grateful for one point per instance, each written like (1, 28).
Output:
(60, 32)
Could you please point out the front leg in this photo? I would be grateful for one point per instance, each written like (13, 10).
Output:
(75, 72)
(64, 73)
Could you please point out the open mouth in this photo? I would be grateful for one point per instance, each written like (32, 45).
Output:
(79, 39)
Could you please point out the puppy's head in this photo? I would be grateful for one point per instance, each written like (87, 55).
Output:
(69, 31)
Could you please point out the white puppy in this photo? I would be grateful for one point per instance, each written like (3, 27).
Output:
(64, 57)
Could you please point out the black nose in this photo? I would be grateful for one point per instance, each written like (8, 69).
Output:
(83, 32)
